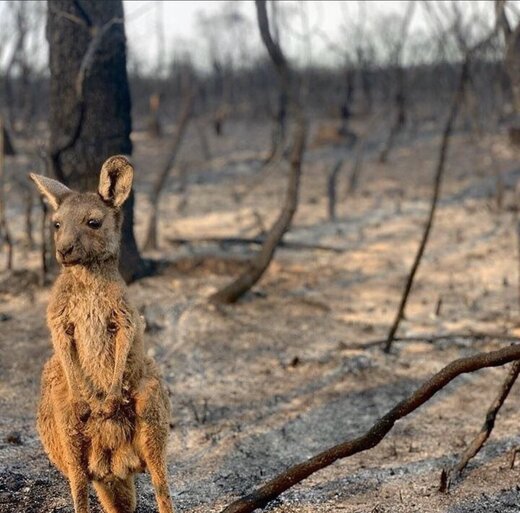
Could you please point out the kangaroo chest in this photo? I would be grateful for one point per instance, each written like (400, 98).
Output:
(92, 328)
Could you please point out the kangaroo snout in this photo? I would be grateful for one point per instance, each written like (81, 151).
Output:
(66, 250)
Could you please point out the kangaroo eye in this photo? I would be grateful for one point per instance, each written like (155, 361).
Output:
(94, 224)
(57, 225)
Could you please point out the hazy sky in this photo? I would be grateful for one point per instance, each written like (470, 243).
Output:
(334, 18)
(183, 32)
(331, 23)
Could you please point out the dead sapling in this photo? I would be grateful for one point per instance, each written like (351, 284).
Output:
(5, 231)
(237, 288)
(151, 239)
(436, 187)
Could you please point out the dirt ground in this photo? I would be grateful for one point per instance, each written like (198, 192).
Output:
(268, 382)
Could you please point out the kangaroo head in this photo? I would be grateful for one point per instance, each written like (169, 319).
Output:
(87, 226)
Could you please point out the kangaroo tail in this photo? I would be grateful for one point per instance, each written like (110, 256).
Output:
(117, 496)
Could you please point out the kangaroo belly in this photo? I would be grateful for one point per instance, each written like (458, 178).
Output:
(111, 451)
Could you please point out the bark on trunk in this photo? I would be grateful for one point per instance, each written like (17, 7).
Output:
(90, 101)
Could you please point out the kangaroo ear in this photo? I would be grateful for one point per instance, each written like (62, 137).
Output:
(115, 181)
(54, 191)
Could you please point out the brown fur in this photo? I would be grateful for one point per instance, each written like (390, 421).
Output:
(103, 413)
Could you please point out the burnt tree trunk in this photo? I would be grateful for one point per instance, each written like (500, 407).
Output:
(90, 101)
(400, 116)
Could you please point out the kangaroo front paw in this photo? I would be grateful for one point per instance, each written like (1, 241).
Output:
(111, 406)
(81, 410)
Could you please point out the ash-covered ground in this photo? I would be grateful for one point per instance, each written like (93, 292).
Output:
(283, 374)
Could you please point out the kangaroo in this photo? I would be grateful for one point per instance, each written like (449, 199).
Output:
(103, 413)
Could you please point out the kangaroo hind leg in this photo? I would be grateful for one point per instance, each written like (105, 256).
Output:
(152, 409)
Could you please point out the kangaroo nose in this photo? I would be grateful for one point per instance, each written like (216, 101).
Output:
(66, 250)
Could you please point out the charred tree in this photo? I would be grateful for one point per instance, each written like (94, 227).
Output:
(18, 73)
(236, 289)
(278, 135)
(437, 182)
(158, 186)
(5, 232)
(154, 120)
(90, 101)
(346, 104)
(458, 98)
(331, 188)
(400, 116)
(154, 102)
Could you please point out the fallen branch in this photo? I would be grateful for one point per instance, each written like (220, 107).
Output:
(253, 241)
(432, 339)
(476, 444)
(272, 489)
(236, 289)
